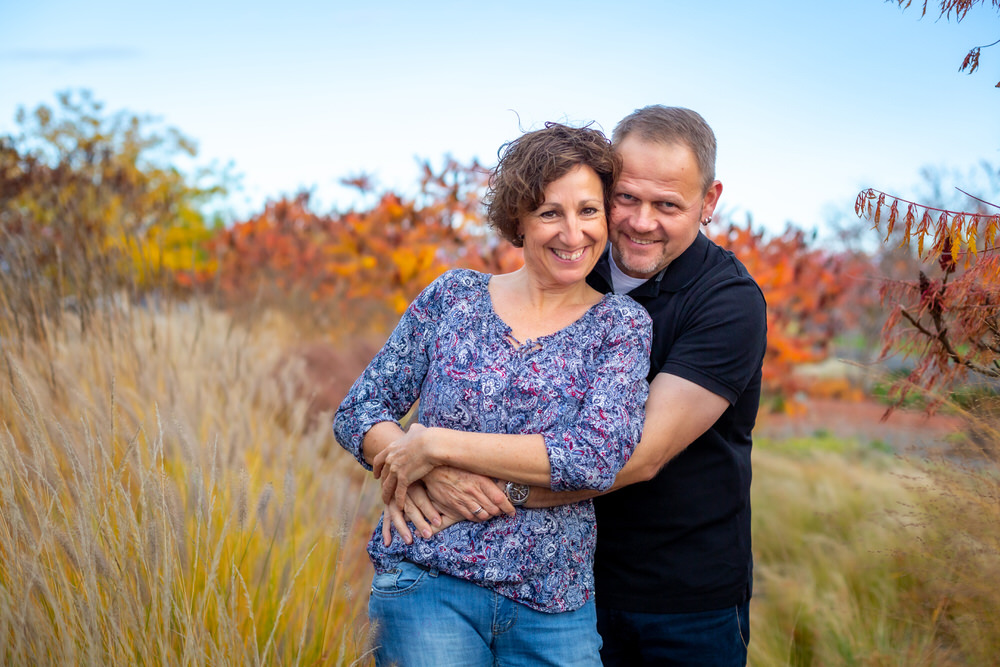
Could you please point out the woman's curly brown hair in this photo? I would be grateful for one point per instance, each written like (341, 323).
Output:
(528, 164)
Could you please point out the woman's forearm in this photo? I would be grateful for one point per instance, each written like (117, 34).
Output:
(379, 437)
(517, 458)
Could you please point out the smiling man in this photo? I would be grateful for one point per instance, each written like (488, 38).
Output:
(673, 567)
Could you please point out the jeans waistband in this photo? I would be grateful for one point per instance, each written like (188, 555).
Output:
(420, 566)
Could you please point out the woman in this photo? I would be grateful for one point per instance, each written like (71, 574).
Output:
(537, 353)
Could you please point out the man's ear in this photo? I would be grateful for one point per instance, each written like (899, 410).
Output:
(711, 199)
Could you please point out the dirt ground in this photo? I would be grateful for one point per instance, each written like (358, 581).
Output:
(905, 431)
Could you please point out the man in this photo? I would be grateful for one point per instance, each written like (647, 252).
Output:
(673, 566)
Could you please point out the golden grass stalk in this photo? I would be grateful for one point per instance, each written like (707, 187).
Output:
(128, 460)
(868, 559)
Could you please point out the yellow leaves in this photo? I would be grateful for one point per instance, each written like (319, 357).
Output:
(992, 230)
(410, 263)
(399, 303)
(805, 291)
(951, 230)
(370, 263)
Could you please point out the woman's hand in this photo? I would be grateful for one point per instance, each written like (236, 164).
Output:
(402, 463)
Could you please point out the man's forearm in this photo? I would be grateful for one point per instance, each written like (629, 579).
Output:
(541, 497)
(677, 413)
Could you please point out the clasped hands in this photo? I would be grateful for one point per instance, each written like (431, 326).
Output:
(417, 487)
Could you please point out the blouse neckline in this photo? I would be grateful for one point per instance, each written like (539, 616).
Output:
(532, 344)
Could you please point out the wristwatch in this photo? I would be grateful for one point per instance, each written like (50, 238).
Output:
(517, 494)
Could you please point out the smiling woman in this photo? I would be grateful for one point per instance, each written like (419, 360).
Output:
(539, 357)
(566, 234)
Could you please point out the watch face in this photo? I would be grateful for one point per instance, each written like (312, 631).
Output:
(517, 493)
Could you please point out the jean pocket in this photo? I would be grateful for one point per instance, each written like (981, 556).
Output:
(403, 579)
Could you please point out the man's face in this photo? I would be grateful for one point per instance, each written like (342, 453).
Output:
(658, 205)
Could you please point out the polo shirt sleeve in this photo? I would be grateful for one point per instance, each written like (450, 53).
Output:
(721, 339)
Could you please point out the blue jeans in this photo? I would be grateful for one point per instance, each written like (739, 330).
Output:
(424, 617)
(708, 639)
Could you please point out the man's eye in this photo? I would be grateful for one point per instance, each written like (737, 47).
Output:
(625, 196)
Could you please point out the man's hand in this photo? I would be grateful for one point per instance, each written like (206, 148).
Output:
(466, 494)
(396, 518)
(443, 498)
(419, 509)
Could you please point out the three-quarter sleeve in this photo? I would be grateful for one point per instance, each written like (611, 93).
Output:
(587, 451)
(390, 384)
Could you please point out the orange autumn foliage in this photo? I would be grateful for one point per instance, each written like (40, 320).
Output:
(810, 295)
(947, 316)
(356, 272)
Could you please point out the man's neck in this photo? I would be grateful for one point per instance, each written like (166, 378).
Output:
(622, 283)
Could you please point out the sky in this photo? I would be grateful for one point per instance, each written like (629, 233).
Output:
(811, 100)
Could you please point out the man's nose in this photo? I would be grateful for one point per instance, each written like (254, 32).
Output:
(643, 219)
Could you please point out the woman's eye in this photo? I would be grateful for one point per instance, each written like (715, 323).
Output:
(590, 210)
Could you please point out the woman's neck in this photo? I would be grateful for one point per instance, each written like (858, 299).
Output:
(532, 309)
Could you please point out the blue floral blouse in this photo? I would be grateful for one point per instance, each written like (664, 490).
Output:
(583, 388)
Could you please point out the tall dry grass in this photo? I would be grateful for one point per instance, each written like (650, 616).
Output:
(863, 558)
(164, 499)
(169, 496)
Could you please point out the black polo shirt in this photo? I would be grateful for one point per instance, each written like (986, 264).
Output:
(681, 541)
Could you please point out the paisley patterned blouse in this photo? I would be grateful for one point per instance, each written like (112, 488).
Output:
(583, 388)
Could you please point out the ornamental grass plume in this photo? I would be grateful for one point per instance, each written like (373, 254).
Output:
(129, 455)
(868, 558)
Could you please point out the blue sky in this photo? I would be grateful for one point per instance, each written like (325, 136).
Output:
(811, 100)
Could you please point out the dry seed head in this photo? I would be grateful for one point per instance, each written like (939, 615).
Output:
(242, 498)
(175, 512)
(101, 564)
(67, 546)
(265, 499)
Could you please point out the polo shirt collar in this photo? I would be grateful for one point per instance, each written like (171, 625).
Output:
(676, 276)
(684, 269)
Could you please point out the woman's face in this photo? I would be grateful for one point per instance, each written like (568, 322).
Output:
(565, 236)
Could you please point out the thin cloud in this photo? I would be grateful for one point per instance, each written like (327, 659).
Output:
(69, 56)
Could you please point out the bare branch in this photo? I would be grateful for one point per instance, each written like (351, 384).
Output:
(982, 201)
(942, 337)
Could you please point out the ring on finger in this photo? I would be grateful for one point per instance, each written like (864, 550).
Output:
(477, 511)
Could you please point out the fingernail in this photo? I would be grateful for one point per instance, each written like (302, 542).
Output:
(426, 534)
(436, 522)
